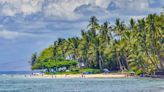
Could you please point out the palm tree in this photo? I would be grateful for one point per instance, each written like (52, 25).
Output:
(135, 47)
(93, 26)
(33, 59)
(74, 43)
(105, 33)
(55, 49)
(84, 46)
(154, 37)
(119, 27)
(132, 23)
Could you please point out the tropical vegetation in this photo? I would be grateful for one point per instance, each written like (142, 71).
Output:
(135, 46)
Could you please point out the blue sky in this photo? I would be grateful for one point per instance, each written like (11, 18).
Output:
(28, 26)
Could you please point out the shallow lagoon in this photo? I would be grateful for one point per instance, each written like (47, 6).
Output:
(20, 84)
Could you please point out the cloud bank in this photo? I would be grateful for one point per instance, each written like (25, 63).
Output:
(34, 15)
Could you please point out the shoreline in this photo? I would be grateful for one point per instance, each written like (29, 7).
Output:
(61, 76)
(73, 76)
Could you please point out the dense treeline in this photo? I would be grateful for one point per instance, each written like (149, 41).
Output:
(137, 46)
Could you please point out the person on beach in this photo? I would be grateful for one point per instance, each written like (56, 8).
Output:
(66, 75)
(82, 75)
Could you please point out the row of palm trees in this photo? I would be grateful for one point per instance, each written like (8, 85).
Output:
(137, 46)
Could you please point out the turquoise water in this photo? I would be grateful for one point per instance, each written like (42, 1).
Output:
(20, 84)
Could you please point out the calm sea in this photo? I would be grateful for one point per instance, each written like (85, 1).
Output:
(22, 84)
(17, 72)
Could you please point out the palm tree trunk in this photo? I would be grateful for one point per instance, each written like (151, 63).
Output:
(152, 60)
(119, 62)
(100, 63)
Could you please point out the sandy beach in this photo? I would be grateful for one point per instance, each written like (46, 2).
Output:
(82, 76)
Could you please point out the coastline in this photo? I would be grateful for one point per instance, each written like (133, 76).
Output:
(74, 76)
(58, 76)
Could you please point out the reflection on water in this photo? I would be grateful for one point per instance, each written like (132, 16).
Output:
(22, 84)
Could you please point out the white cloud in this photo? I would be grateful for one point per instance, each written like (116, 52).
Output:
(138, 5)
(25, 7)
(102, 3)
(129, 6)
(12, 35)
(91, 10)
(9, 35)
(56, 9)
(60, 11)
(64, 9)
(138, 17)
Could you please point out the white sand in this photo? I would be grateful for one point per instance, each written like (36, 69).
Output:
(82, 76)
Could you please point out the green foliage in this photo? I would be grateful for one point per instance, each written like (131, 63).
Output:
(71, 72)
(66, 63)
(45, 55)
(137, 47)
(33, 59)
(75, 70)
(93, 71)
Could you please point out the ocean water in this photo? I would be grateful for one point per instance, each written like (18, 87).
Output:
(18, 72)
(22, 84)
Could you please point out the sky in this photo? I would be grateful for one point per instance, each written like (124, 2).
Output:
(28, 26)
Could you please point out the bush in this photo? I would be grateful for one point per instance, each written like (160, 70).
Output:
(138, 72)
(75, 70)
(71, 72)
(92, 71)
